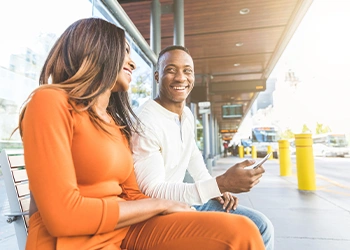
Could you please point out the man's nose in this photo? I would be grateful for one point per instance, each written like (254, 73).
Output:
(180, 76)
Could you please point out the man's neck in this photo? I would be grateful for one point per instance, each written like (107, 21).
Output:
(171, 106)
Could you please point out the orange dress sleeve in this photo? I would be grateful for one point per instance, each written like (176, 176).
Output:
(131, 190)
(50, 132)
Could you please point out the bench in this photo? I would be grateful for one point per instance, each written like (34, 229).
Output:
(17, 188)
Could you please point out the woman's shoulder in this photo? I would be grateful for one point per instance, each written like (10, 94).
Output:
(50, 95)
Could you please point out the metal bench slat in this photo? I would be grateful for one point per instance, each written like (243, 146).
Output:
(23, 189)
(16, 160)
(20, 175)
(25, 203)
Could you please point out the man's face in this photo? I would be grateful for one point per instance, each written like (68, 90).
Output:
(175, 76)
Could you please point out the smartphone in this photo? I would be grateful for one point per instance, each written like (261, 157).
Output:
(259, 163)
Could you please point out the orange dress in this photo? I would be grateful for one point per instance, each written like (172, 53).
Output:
(79, 174)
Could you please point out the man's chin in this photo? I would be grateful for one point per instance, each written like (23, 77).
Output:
(179, 100)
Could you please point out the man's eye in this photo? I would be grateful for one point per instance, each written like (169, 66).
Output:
(188, 70)
(170, 70)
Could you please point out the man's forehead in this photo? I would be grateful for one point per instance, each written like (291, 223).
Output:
(179, 57)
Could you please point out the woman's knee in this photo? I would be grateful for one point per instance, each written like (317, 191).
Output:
(242, 231)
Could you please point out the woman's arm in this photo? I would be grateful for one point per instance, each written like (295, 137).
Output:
(139, 207)
(131, 212)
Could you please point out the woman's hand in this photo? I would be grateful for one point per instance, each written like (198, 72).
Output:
(176, 206)
(228, 201)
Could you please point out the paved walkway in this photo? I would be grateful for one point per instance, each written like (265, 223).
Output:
(8, 239)
(303, 220)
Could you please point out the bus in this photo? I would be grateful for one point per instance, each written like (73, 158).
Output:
(331, 144)
(262, 137)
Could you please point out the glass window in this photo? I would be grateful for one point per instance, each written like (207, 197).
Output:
(31, 29)
(141, 85)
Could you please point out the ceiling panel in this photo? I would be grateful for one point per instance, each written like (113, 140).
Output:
(212, 30)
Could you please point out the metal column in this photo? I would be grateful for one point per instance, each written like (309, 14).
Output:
(206, 142)
(211, 134)
(216, 138)
(206, 148)
(179, 31)
(155, 36)
(194, 112)
(119, 14)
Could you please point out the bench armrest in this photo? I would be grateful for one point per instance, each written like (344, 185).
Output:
(11, 217)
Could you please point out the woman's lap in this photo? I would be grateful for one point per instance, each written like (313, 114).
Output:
(194, 230)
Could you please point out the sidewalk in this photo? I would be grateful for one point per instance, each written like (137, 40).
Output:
(303, 220)
(8, 240)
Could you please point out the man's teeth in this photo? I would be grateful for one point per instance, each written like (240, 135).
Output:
(179, 88)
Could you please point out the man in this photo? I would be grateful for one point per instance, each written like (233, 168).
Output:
(166, 148)
(225, 148)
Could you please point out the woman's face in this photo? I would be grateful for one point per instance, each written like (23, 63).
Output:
(125, 74)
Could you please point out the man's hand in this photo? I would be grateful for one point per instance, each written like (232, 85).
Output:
(228, 201)
(237, 179)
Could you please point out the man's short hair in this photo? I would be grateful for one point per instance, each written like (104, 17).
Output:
(170, 48)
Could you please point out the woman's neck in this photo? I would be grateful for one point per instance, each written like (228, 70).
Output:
(100, 107)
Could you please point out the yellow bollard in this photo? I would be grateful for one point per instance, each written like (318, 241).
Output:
(284, 158)
(247, 150)
(305, 162)
(269, 149)
(240, 151)
(254, 153)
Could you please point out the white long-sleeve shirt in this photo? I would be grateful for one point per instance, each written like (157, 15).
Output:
(162, 153)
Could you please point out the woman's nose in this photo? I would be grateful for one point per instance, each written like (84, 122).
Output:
(132, 64)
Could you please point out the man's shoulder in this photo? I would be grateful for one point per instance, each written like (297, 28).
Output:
(145, 109)
(188, 111)
(148, 114)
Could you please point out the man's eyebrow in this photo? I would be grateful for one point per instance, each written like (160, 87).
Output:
(174, 65)
(170, 64)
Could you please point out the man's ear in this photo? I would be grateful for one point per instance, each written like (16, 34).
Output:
(156, 76)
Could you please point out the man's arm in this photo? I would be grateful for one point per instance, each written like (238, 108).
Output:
(196, 165)
(151, 174)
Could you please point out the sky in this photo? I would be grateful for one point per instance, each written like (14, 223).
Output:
(34, 13)
(319, 54)
(20, 28)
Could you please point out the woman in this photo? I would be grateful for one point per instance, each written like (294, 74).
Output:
(76, 133)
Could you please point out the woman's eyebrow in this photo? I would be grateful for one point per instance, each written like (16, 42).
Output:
(127, 45)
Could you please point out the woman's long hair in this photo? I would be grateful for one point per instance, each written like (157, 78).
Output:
(85, 62)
